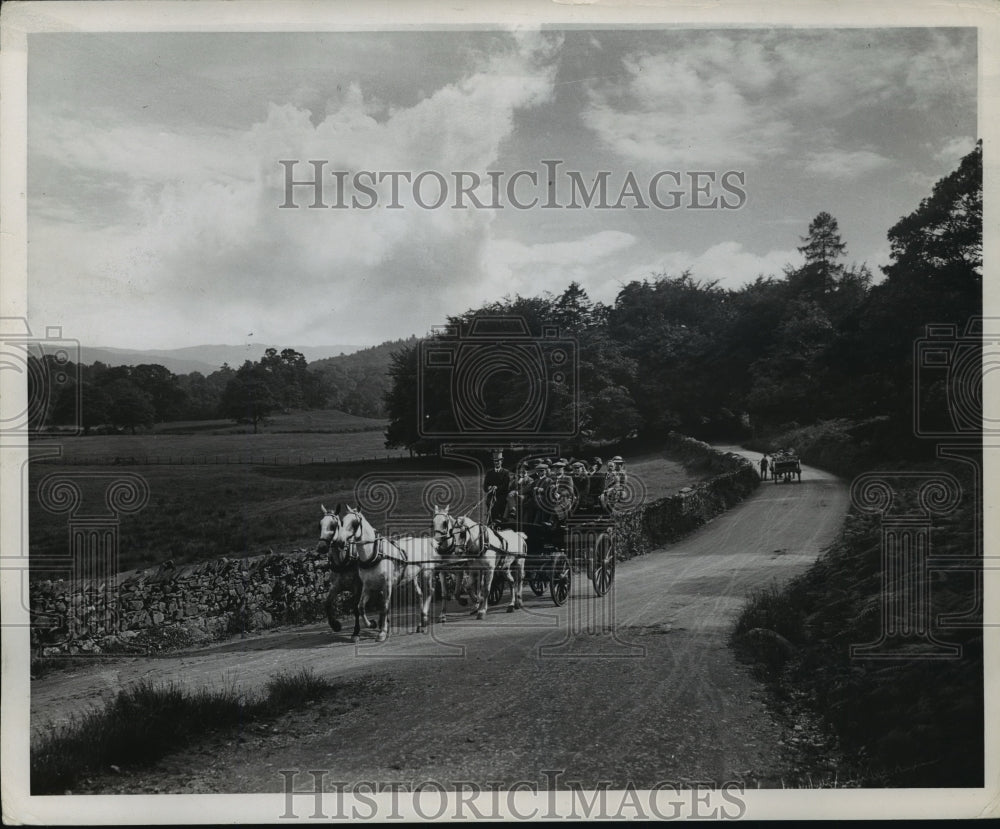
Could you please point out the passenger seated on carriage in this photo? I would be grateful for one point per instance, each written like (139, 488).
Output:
(614, 483)
(581, 481)
(518, 490)
(528, 488)
(561, 500)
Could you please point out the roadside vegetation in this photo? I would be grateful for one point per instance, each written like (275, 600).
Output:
(903, 720)
(144, 722)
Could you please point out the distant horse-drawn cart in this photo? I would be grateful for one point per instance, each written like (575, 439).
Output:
(785, 466)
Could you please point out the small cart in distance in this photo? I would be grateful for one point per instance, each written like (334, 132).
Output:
(785, 466)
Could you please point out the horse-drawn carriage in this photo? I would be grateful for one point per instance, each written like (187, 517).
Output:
(785, 466)
(480, 557)
(557, 546)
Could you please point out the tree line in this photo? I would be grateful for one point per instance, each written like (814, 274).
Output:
(127, 398)
(821, 341)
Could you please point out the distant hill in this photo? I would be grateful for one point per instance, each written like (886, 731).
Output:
(204, 358)
(359, 380)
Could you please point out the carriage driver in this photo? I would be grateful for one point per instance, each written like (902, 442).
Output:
(497, 485)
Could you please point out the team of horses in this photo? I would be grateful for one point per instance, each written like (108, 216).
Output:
(370, 564)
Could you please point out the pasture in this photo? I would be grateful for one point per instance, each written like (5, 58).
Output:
(199, 511)
(296, 438)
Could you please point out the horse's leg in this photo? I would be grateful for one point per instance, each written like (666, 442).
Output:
(371, 624)
(427, 577)
(485, 583)
(443, 581)
(383, 616)
(331, 602)
(359, 611)
(512, 582)
(419, 590)
(462, 596)
(518, 578)
(474, 577)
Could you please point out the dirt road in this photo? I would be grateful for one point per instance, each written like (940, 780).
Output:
(639, 686)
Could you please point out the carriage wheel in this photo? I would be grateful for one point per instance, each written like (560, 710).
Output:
(536, 575)
(496, 588)
(604, 564)
(561, 579)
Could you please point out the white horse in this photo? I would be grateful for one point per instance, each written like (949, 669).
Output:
(343, 569)
(384, 564)
(482, 551)
(451, 555)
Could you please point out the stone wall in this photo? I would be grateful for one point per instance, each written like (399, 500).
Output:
(178, 604)
(168, 605)
(667, 519)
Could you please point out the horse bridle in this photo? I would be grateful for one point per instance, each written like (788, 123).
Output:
(449, 535)
(347, 562)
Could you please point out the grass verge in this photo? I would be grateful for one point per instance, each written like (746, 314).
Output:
(145, 722)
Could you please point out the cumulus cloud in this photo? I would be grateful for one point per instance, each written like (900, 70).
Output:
(728, 263)
(513, 267)
(954, 149)
(844, 164)
(699, 104)
(746, 97)
(196, 223)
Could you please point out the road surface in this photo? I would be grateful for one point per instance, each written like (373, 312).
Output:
(637, 687)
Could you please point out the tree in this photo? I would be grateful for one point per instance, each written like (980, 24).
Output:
(935, 277)
(671, 328)
(248, 397)
(938, 248)
(129, 406)
(822, 247)
(789, 381)
(291, 383)
(401, 398)
(162, 388)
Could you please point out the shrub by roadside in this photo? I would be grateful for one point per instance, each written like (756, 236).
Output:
(144, 722)
(907, 721)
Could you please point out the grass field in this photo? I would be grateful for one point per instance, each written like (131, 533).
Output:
(202, 511)
(201, 449)
(317, 420)
(324, 436)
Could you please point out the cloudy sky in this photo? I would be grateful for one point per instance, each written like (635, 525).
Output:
(154, 180)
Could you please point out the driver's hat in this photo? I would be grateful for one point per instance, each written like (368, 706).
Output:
(498, 454)
(616, 459)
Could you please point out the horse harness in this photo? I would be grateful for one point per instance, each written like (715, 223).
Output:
(378, 551)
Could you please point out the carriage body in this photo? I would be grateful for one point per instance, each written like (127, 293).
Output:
(785, 466)
(583, 541)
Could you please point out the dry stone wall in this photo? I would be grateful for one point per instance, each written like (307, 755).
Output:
(667, 519)
(190, 603)
(178, 605)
